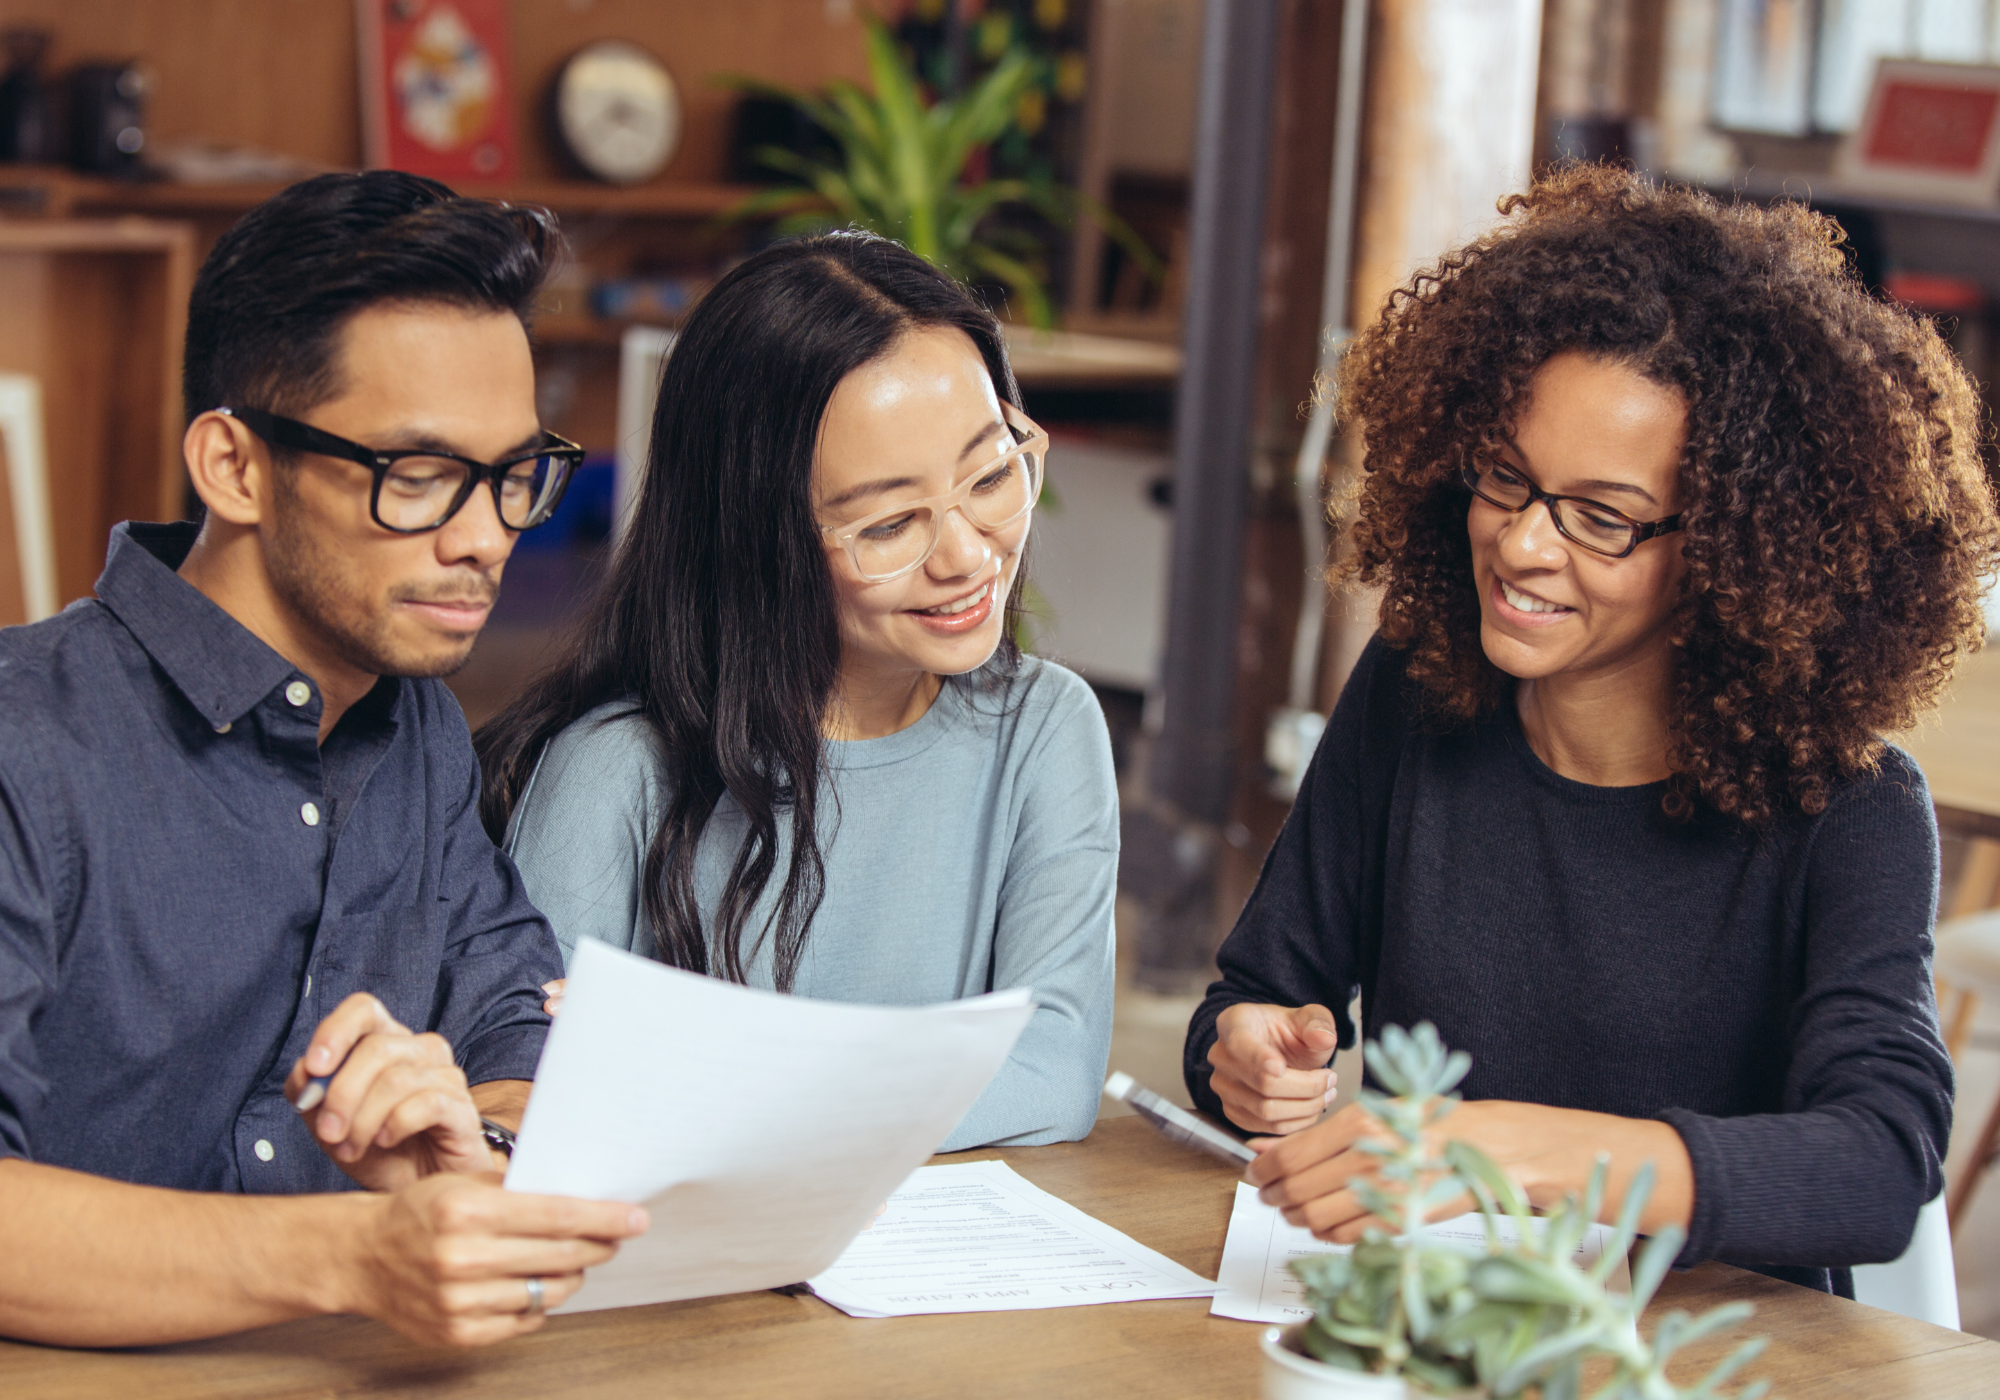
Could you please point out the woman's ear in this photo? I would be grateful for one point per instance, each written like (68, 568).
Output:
(230, 468)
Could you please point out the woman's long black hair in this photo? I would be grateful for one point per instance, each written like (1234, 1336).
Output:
(718, 621)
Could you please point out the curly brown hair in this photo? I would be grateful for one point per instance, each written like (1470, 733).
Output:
(1839, 522)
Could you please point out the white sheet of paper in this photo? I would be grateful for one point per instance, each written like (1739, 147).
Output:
(977, 1237)
(761, 1131)
(1257, 1287)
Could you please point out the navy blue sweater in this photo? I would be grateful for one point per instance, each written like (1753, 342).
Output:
(1766, 992)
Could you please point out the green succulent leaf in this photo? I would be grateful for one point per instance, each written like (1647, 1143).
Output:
(1322, 1346)
(1323, 1273)
(1472, 1163)
(1488, 1319)
(1729, 1365)
(1627, 1228)
(1354, 1334)
(1524, 1279)
(1689, 1329)
(1545, 1354)
(1593, 1193)
(1416, 1302)
(1565, 1381)
(1439, 1375)
(1652, 1264)
(1520, 1320)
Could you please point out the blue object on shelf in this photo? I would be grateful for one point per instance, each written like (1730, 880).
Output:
(645, 298)
(583, 518)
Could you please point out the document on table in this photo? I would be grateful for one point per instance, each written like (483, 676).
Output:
(761, 1131)
(1256, 1285)
(975, 1237)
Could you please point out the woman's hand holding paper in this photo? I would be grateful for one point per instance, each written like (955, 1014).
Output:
(1549, 1153)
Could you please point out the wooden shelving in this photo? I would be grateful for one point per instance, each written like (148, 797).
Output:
(95, 311)
(572, 328)
(58, 193)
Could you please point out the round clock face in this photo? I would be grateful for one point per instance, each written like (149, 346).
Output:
(617, 112)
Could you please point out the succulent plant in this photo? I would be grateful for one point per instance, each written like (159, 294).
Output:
(1523, 1319)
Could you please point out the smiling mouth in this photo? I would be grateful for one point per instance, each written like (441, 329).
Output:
(959, 605)
(1527, 602)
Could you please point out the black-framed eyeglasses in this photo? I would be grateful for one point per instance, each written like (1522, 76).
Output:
(420, 489)
(1595, 526)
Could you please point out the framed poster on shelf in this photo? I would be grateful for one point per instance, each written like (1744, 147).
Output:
(435, 96)
(1930, 131)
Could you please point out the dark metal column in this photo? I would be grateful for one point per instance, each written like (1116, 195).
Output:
(1172, 842)
(1214, 423)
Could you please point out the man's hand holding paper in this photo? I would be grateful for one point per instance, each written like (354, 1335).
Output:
(639, 1098)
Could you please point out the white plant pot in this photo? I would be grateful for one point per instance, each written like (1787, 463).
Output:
(1290, 1374)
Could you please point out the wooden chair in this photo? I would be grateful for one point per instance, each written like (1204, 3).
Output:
(1968, 971)
(1923, 1283)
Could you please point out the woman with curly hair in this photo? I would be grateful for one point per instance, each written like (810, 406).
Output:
(1673, 522)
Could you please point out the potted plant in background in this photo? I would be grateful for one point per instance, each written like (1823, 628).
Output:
(1403, 1315)
(906, 171)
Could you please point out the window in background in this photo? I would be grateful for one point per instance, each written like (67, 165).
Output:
(1797, 67)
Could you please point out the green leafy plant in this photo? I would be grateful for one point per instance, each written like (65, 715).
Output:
(1523, 1319)
(903, 174)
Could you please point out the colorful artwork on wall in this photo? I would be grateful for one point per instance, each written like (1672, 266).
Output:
(434, 88)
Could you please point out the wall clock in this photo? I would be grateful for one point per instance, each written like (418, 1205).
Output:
(617, 113)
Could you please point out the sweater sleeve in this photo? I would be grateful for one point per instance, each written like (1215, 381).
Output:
(581, 831)
(1055, 930)
(1837, 1178)
(1297, 940)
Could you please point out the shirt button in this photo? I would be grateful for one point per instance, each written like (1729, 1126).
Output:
(298, 692)
(265, 1152)
(309, 814)
(309, 984)
(224, 727)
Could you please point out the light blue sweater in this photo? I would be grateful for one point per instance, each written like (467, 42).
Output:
(973, 851)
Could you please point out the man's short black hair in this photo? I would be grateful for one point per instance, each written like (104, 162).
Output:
(269, 304)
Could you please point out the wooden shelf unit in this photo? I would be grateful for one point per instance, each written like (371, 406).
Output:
(53, 192)
(97, 310)
(615, 231)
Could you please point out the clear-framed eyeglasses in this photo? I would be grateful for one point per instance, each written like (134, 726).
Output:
(997, 500)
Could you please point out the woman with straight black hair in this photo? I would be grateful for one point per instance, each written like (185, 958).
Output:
(793, 744)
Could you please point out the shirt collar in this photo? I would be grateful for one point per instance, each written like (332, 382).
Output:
(212, 659)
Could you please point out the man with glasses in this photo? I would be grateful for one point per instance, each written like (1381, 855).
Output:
(255, 949)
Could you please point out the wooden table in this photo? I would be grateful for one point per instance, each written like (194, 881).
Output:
(1959, 750)
(762, 1344)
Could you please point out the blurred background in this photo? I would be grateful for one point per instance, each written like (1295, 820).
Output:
(1187, 206)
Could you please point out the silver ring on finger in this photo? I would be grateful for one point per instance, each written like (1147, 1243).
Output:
(537, 1298)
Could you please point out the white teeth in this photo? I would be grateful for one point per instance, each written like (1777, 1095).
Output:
(952, 609)
(1516, 598)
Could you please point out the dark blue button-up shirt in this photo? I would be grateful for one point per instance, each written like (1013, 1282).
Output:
(190, 882)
